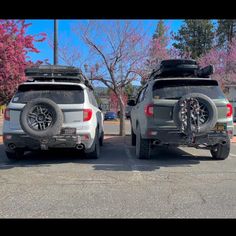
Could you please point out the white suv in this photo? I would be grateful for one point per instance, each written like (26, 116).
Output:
(56, 108)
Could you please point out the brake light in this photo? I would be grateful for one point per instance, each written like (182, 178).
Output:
(7, 114)
(87, 114)
(148, 110)
(229, 110)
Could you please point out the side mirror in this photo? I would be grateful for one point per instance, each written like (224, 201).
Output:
(131, 103)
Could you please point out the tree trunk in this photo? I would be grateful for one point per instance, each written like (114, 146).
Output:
(122, 116)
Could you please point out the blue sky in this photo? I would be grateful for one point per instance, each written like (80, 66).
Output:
(65, 31)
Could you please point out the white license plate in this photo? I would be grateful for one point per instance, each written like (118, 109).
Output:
(68, 131)
(220, 127)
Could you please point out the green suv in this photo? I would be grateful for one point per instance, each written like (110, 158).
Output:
(180, 105)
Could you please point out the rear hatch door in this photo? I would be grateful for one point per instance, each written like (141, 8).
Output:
(70, 98)
(167, 92)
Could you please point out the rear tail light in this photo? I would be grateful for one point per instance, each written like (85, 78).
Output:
(230, 132)
(229, 110)
(87, 114)
(85, 137)
(6, 137)
(7, 114)
(149, 110)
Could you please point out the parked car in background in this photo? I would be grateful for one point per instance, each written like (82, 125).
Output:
(128, 111)
(230, 93)
(118, 114)
(110, 115)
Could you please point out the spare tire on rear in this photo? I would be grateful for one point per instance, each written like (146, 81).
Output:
(41, 118)
(208, 105)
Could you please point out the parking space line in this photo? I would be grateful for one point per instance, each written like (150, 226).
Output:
(133, 166)
(231, 154)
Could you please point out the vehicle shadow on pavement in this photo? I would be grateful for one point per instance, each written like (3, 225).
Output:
(42, 158)
(123, 158)
(117, 154)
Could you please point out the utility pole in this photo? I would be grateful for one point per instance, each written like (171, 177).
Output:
(55, 46)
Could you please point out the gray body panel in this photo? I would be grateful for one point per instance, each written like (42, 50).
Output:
(162, 120)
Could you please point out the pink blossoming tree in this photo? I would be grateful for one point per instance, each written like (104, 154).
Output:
(14, 46)
(224, 61)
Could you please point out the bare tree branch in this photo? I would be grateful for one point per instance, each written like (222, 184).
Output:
(120, 50)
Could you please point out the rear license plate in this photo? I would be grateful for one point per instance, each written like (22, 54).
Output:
(68, 131)
(220, 127)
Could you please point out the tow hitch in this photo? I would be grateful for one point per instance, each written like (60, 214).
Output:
(44, 144)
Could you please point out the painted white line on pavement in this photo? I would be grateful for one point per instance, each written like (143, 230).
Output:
(131, 160)
(231, 154)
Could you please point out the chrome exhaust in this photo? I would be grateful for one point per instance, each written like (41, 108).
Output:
(156, 142)
(79, 146)
(12, 146)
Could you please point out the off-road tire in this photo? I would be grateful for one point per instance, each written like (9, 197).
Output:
(55, 126)
(222, 151)
(15, 155)
(143, 146)
(96, 151)
(101, 139)
(133, 137)
(211, 107)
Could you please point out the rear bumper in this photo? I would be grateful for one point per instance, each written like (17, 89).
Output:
(174, 137)
(28, 143)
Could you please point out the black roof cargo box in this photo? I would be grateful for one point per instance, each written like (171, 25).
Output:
(178, 67)
(182, 68)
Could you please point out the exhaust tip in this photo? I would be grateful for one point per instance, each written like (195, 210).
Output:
(79, 146)
(223, 142)
(12, 146)
(156, 142)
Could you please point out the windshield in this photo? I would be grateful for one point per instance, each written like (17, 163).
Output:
(177, 90)
(60, 94)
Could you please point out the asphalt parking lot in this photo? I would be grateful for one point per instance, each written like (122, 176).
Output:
(183, 183)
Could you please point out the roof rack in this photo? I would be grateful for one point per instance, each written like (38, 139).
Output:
(57, 73)
(52, 70)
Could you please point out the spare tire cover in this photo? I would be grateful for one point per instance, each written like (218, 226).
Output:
(41, 118)
(209, 106)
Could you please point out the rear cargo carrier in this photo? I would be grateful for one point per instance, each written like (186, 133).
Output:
(181, 68)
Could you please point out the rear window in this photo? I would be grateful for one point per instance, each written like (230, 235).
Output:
(60, 94)
(175, 89)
